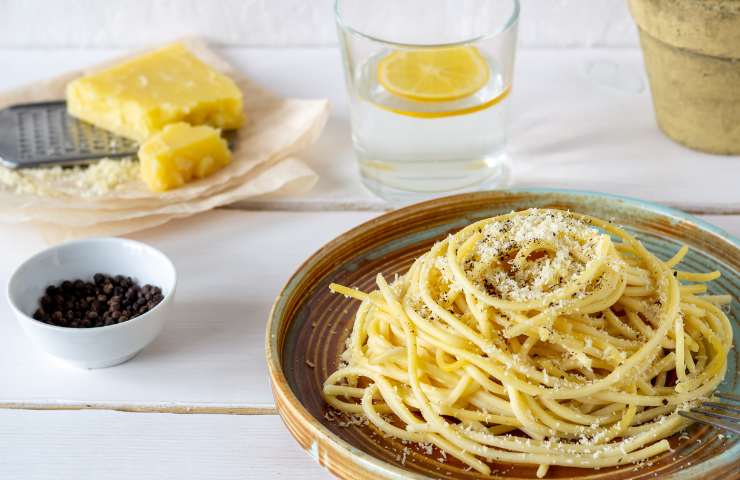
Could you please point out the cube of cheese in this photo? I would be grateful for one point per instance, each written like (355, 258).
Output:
(180, 153)
(140, 96)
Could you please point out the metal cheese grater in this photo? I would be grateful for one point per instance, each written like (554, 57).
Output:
(43, 134)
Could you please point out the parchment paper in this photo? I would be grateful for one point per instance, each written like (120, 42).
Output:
(263, 162)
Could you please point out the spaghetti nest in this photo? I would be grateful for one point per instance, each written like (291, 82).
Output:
(539, 337)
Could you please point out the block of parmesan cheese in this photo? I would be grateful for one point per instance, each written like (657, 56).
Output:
(140, 96)
(180, 153)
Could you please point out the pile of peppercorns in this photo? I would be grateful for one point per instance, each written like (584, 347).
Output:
(106, 300)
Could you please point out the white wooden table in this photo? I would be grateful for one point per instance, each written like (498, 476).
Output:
(569, 131)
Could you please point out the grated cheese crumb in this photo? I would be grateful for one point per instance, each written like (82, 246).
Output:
(95, 180)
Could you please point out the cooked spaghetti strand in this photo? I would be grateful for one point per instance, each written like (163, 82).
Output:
(555, 325)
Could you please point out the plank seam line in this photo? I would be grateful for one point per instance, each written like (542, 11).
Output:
(329, 206)
(175, 409)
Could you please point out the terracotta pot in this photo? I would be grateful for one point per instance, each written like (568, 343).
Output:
(692, 56)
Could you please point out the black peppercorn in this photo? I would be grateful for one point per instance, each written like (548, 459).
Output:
(105, 300)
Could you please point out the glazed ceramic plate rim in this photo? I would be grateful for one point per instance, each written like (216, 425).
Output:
(370, 463)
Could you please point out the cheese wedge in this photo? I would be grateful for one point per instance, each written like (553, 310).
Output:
(180, 153)
(138, 97)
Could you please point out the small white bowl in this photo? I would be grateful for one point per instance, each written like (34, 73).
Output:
(95, 347)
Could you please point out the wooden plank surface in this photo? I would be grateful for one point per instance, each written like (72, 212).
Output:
(728, 223)
(230, 266)
(88, 445)
(210, 357)
(92, 445)
(570, 128)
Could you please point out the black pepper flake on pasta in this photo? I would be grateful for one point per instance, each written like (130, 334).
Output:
(106, 300)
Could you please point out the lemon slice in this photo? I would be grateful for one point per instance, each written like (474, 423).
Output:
(434, 75)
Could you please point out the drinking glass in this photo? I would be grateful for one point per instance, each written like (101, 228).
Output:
(429, 84)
